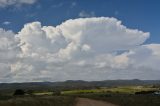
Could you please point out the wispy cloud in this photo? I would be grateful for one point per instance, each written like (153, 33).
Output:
(116, 12)
(6, 23)
(73, 4)
(57, 5)
(85, 14)
(6, 3)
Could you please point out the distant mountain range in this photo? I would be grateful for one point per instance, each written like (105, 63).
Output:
(78, 84)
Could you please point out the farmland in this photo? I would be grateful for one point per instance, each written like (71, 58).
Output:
(120, 89)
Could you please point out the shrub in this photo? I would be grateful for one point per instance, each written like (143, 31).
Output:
(19, 92)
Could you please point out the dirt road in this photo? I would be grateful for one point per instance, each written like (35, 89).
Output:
(90, 102)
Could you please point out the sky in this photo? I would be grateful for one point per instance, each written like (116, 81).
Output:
(58, 40)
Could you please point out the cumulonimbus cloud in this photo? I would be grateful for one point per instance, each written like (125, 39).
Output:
(77, 48)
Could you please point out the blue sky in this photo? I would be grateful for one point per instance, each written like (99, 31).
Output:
(137, 14)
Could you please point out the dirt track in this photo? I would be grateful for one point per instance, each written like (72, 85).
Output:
(90, 102)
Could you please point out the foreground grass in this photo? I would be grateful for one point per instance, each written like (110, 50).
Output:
(125, 99)
(39, 101)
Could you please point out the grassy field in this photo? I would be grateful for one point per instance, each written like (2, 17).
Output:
(121, 89)
(39, 101)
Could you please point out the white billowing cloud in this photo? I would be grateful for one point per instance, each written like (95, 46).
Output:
(8, 45)
(155, 49)
(101, 35)
(78, 49)
(5, 3)
(144, 61)
(41, 42)
(8, 51)
(146, 56)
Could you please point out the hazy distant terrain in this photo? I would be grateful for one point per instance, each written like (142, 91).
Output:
(70, 84)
